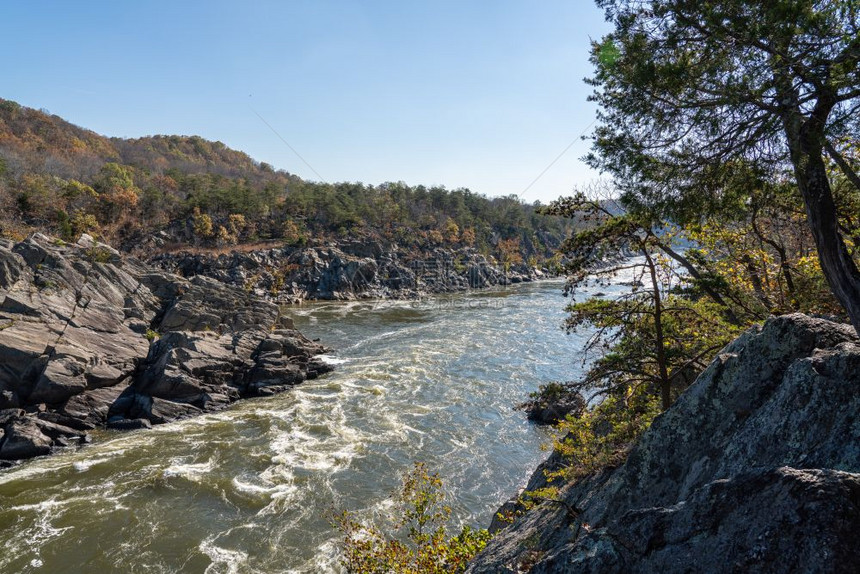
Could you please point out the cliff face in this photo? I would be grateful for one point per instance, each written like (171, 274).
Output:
(91, 338)
(347, 270)
(756, 468)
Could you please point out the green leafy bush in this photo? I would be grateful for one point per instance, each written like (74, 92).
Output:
(415, 539)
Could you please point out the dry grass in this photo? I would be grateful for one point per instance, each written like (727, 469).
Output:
(15, 230)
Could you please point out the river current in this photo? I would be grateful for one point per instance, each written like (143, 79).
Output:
(248, 489)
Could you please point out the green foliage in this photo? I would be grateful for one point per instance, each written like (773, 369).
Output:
(601, 437)
(626, 340)
(416, 541)
(64, 225)
(293, 234)
(687, 89)
(151, 335)
(704, 98)
(658, 335)
(763, 262)
(607, 53)
(99, 254)
(113, 178)
(35, 197)
(202, 224)
(650, 342)
(550, 392)
(595, 439)
(84, 223)
(9, 107)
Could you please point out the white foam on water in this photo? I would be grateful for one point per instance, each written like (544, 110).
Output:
(274, 482)
(327, 559)
(298, 449)
(30, 539)
(224, 560)
(377, 390)
(189, 471)
(36, 468)
(373, 338)
(429, 390)
(332, 360)
(253, 488)
(87, 463)
(44, 506)
(306, 439)
(80, 460)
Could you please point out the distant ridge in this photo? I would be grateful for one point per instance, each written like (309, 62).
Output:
(64, 179)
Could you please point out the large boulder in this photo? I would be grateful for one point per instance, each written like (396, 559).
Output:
(553, 402)
(62, 378)
(23, 439)
(756, 468)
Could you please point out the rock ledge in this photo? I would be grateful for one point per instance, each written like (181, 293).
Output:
(90, 338)
(756, 468)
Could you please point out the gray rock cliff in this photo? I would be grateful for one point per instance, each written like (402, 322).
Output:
(756, 468)
(91, 338)
(347, 271)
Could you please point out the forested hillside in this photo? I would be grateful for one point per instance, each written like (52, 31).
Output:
(61, 178)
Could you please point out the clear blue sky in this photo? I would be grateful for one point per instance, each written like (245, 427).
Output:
(466, 94)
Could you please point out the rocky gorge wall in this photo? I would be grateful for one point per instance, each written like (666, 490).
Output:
(347, 270)
(91, 338)
(755, 468)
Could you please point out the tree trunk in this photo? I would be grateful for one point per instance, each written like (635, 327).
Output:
(839, 268)
(758, 287)
(783, 260)
(659, 343)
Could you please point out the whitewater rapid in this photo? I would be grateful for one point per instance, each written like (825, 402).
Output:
(248, 489)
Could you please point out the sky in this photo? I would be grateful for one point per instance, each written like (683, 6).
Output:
(477, 94)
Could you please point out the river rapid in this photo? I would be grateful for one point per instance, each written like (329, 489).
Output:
(248, 489)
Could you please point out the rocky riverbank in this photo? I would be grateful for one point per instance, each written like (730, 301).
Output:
(347, 270)
(92, 338)
(756, 468)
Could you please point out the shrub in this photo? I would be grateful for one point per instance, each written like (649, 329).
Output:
(600, 437)
(417, 540)
(83, 223)
(99, 254)
(202, 224)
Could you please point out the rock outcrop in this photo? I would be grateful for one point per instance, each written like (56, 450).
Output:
(756, 468)
(553, 402)
(346, 271)
(91, 338)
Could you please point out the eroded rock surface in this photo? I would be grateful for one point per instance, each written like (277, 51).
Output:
(756, 468)
(347, 270)
(90, 338)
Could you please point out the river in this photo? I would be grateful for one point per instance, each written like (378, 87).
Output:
(247, 489)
